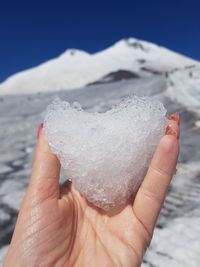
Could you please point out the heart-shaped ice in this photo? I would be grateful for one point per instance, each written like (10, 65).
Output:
(105, 155)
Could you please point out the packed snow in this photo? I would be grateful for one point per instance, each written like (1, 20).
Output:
(105, 155)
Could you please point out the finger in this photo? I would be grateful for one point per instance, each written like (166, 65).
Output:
(173, 125)
(46, 169)
(150, 197)
(175, 117)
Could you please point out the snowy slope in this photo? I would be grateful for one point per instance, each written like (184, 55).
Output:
(184, 87)
(75, 68)
(176, 240)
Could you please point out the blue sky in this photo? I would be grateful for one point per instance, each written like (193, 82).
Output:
(34, 31)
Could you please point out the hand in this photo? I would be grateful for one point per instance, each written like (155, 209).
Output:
(56, 227)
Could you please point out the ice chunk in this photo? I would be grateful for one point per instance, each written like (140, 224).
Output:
(105, 155)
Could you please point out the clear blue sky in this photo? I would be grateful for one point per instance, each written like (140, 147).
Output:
(34, 31)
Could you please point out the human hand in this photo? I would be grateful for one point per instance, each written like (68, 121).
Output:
(57, 227)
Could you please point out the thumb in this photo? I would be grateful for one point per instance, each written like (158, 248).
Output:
(45, 175)
(151, 194)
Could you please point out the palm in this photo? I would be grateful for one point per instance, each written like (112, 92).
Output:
(87, 236)
(67, 231)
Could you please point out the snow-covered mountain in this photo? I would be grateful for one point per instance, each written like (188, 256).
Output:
(128, 67)
(76, 68)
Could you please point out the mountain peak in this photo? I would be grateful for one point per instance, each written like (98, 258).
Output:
(135, 43)
(76, 68)
(72, 52)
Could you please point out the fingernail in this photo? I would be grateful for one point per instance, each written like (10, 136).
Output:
(39, 130)
(175, 117)
(171, 131)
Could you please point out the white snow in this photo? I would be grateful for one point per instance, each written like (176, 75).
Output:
(75, 68)
(3, 252)
(12, 193)
(106, 154)
(184, 87)
(168, 243)
(197, 124)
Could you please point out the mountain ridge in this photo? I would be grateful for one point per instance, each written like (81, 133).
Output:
(76, 68)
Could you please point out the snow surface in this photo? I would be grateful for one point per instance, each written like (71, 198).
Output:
(184, 86)
(176, 240)
(106, 155)
(75, 68)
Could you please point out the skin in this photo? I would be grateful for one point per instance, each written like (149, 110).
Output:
(57, 227)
